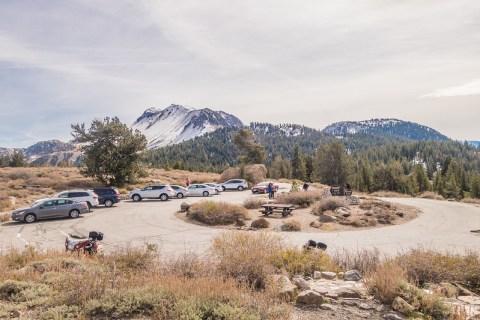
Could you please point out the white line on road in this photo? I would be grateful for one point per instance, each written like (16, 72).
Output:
(19, 236)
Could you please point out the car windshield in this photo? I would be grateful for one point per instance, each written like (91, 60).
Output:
(37, 204)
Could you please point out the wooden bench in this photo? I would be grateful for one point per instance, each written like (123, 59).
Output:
(285, 209)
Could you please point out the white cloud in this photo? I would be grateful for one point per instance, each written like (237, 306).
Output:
(468, 89)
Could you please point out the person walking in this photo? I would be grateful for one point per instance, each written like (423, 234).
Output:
(305, 186)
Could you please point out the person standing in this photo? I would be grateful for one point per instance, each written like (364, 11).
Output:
(187, 182)
(270, 190)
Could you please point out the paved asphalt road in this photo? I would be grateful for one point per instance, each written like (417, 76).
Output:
(441, 225)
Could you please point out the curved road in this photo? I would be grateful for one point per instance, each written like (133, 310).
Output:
(442, 225)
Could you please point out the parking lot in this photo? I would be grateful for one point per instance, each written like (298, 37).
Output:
(442, 225)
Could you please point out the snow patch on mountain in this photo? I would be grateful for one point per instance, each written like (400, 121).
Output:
(176, 123)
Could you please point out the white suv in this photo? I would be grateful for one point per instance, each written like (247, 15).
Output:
(235, 184)
(90, 197)
(154, 191)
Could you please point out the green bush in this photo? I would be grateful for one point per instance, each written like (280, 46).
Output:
(217, 213)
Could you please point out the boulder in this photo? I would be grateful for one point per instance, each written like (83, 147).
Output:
(317, 275)
(400, 214)
(352, 275)
(469, 299)
(342, 211)
(184, 207)
(315, 224)
(393, 315)
(286, 289)
(301, 283)
(261, 223)
(328, 275)
(350, 293)
(310, 297)
(326, 218)
(402, 306)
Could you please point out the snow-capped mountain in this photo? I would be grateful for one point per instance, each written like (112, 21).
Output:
(179, 123)
(394, 127)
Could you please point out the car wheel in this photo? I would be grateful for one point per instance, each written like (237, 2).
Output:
(240, 188)
(74, 214)
(223, 188)
(163, 197)
(29, 218)
(206, 194)
(179, 195)
(108, 203)
(136, 197)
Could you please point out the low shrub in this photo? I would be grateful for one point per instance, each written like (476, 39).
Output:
(261, 223)
(301, 199)
(305, 262)
(5, 216)
(386, 281)
(291, 225)
(131, 259)
(471, 200)
(253, 203)
(365, 261)
(329, 203)
(424, 266)
(255, 173)
(217, 213)
(246, 257)
(431, 195)
(377, 204)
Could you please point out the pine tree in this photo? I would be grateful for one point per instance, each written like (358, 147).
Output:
(332, 164)
(111, 151)
(309, 168)
(253, 153)
(298, 165)
(17, 159)
(421, 178)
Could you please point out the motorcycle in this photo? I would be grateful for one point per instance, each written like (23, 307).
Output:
(90, 245)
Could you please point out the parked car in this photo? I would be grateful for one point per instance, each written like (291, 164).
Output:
(180, 192)
(90, 197)
(262, 187)
(107, 196)
(200, 190)
(154, 191)
(50, 208)
(218, 188)
(235, 184)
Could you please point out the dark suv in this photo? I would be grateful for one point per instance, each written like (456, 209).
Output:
(107, 196)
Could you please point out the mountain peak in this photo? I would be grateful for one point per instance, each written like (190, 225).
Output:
(178, 123)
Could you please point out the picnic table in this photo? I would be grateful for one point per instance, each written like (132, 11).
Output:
(270, 208)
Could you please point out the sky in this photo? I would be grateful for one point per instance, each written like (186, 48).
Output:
(310, 62)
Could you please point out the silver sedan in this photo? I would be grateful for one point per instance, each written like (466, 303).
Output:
(200, 190)
(49, 209)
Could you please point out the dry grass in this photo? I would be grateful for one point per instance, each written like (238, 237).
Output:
(301, 199)
(389, 194)
(423, 265)
(365, 261)
(386, 281)
(217, 213)
(304, 262)
(471, 200)
(291, 225)
(329, 203)
(56, 285)
(431, 195)
(254, 203)
(246, 257)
